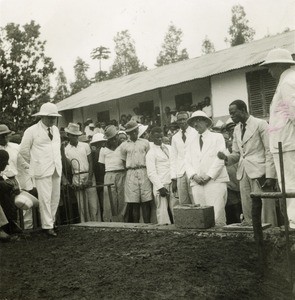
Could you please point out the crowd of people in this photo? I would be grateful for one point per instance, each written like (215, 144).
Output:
(138, 170)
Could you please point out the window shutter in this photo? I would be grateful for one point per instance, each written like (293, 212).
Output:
(261, 88)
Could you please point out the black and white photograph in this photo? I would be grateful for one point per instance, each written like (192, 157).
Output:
(147, 149)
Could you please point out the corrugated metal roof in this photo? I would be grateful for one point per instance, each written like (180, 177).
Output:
(207, 65)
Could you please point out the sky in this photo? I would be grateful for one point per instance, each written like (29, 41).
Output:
(74, 28)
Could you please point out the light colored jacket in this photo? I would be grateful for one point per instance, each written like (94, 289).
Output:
(178, 152)
(282, 114)
(252, 152)
(158, 166)
(40, 152)
(206, 162)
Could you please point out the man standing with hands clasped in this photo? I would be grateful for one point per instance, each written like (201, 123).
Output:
(256, 167)
(40, 147)
(206, 171)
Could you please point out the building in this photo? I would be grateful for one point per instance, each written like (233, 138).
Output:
(224, 76)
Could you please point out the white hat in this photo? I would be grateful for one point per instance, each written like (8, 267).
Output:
(142, 129)
(25, 200)
(199, 114)
(91, 125)
(48, 109)
(278, 56)
(73, 129)
(97, 137)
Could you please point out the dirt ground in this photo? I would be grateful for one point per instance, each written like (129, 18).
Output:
(140, 264)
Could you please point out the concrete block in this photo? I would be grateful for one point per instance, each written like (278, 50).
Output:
(194, 216)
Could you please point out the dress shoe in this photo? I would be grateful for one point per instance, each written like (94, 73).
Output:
(51, 232)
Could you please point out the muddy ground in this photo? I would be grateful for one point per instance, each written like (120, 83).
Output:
(140, 264)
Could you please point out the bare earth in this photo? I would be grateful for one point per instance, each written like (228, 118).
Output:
(140, 264)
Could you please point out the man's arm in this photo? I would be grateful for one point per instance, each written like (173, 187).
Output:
(25, 148)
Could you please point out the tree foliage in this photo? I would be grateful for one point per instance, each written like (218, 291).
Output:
(82, 81)
(100, 53)
(170, 52)
(207, 46)
(239, 31)
(62, 90)
(24, 73)
(126, 61)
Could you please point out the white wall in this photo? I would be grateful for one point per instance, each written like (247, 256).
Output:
(226, 88)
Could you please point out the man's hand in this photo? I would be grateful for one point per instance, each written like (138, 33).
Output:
(88, 182)
(205, 179)
(221, 155)
(269, 183)
(198, 179)
(163, 192)
(174, 185)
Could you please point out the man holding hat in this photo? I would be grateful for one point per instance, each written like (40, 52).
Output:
(40, 147)
(282, 119)
(138, 188)
(79, 154)
(206, 171)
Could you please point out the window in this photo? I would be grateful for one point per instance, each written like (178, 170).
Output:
(103, 116)
(146, 107)
(261, 88)
(183, 101)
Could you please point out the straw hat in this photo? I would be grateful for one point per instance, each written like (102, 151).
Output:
(4, 129)
(73, 129)
(130, 126)
(91, 125)
(48, 109)
(142, 129)
(25, 200)
(98, 137)
(199, 114)
(278, 56)
(110, 132)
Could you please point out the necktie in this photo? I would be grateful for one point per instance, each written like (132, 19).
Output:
(183, 136)
(243, 130)
(49, 133)
(201, 142)
(165, 150)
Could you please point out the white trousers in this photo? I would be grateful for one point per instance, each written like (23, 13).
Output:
(48, 194)
(88, 203)
(184, 190)
(212, 194)
(289, 172)
(162, 204)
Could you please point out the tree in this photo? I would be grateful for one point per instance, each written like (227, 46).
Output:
(239, 30)
(62, 90)
(24, 73)
(126, 61)
(207, 46)
(170, 53)
(81, 82)
(100, 53)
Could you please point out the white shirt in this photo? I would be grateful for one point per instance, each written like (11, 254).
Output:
(78, 154)
(111, 159)
(11, 168)
(158, 165)
(208, 111)
(178, 152)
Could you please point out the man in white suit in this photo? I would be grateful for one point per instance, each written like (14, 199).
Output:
(281, 66)
(40, 147)
(256, 167)
(206, 171)
(179, 142)
(158, 171)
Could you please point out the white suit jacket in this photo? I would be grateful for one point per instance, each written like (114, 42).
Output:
(40, 152)
(282, 113)
(158, 166)
(252, 152)
(178, 152)
(206, 162)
